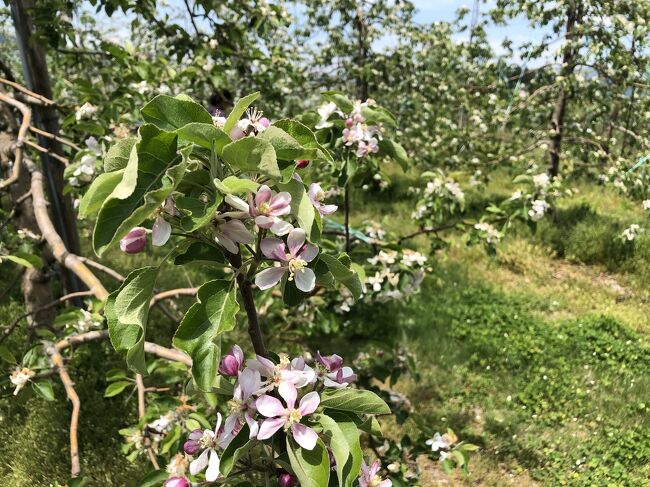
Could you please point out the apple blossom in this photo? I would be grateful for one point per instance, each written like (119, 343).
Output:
(316, 194)
(538, 209)
(285, 372)
(325, 111)
(242, 405)
(631, 232)
(266, 207)
(20, 377)
(231, 363)
(160, 232)
(294, 257)
(208, 441)
(366, 148)
(85, 111)
(334, 374)
(438, 442)
(229, 234)
(134, 241)
(370, 477)
(288, 417)
(251, 125)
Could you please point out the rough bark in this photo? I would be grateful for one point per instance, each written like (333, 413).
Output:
(568, 65)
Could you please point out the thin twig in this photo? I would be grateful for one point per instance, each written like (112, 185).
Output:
(51, 136)
(142, 409)
(173, 293)
(14, 208)
(63, 160)
(27, 92)
(20, 139)
(427, 230)
(9, 330)
(101, 267)
(57, 361)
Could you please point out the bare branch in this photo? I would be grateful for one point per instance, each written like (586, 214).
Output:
(22, 134)
(173, 293)
(54, 155)
(27, 92)
(51, 136)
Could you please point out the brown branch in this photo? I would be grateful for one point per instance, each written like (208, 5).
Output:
(173, 293)
(20, 140)
(57, 362)
(427, 230)
(101, 267)
(63, 160)
(29, 93)
(51, 136)
(142, 409)
(151, 348)
(9, 330)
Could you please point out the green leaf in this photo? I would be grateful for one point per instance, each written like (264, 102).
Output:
(371, 426)
(351, 434)
(396, 151)
(341, 273)
(154, 479)
(338, 444)
(301, 205)
(201, 213)
(235, 185)
(24, 259)
(116, 388)
(377, 115)
(286, 147)
(169, 113)
(100, 189)
(169, 440)
(6, 355)
(238, 110)
(204, 135)
(304, 136)
(340, 100)
(127, 312)
(354, 400)
(198, 333)
(252, 154)
(235, 451)
(200, 252)
(117, 156)
(150, 176)
(312, 467)
(44, 389)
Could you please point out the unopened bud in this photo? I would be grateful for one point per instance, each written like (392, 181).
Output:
(176, 482)
(302, 163)
(285, 479)
(134, 241)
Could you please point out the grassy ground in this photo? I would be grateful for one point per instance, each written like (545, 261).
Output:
(539, 355)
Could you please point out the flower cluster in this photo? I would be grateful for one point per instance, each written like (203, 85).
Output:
(268, 397)
(394, 275)
(488, 232)
(358, 135)
(20, 377)
(440, 198)
(84, 171)
(631, 232)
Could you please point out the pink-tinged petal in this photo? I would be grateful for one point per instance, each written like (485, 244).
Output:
(280, 204)
(265, 222)
(238, 353)
(269, 427)
(237, 133)
(295, 241)
(160, 232)
(309, 403)
(327, 209)
(196, 434)
(314, 190)
(200, 463)
(227, 243)
(298, 363)
(273, 248)
(299, 378)
(230, 424)
(305, 279)
(385, 483)
(263, 365)
(253, 427)
(249, 382)
(263, 195)
(218, 425)
(134, 241)
(269, 406)
(237, 232)
(289, 393)
(212, 473)
(237, 203)
(304, 436)
(229, 366)
(309, 252)
(374, 468)
(281, 227)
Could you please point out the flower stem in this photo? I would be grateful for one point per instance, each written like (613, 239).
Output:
(347, 219)
(246, 291)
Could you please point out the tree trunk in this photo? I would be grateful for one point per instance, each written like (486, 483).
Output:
(557, 118)
(38, 80)
(362, 51)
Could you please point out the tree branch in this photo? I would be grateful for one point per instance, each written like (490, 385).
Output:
(20, 140)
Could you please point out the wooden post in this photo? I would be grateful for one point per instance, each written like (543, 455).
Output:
(45, 117)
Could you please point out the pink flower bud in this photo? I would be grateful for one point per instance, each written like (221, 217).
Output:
(191, 446)
(302, 163)
(349, 122)
(134, 241)
(285, 479)
(231, 363)
(264, 122)
(358, 117)
(332, 363)
(176, 482)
